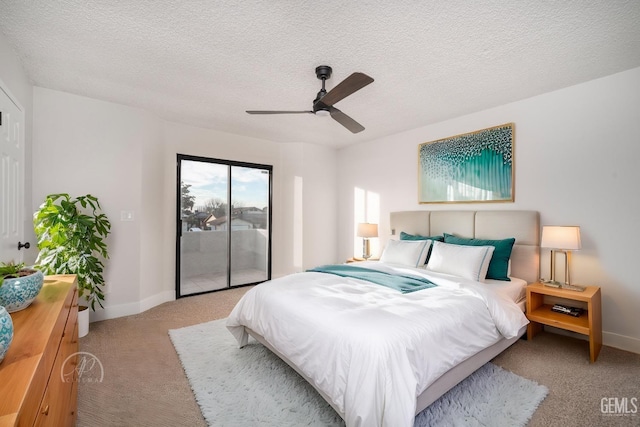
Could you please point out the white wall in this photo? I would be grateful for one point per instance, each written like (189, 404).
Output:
(576, 162)
(82, 145)
(307, 197)
(319, 204)
(150, 220)
(127, 158)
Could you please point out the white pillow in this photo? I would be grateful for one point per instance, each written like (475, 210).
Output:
(406, 252)
(470, 262)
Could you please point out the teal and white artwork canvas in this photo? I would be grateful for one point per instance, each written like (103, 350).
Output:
(472, 167)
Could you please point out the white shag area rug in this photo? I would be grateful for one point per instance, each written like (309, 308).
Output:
(251, 386)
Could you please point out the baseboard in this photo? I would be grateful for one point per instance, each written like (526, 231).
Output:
(610, 339)
(157, 299)
(121, 310)
(622, 342)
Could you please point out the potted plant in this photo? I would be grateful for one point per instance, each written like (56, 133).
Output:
(6, 332)
(6, 324)
(19, 286)
(71, 237)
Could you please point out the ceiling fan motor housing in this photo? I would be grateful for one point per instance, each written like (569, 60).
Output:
(323, 72)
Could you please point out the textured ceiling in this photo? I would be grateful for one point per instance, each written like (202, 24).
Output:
(206, 62)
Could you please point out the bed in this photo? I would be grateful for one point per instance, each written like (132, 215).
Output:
(378, 355)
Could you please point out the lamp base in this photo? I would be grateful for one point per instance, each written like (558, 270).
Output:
(559, 285)
(576, 288)
(551, 283)
(366, 252)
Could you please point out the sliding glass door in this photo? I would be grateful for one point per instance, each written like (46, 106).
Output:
(224, 224)
(249, 224)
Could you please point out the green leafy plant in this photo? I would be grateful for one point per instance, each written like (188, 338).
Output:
(71, 234)
(11, 271)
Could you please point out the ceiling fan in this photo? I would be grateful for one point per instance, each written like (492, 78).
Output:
(323, 104)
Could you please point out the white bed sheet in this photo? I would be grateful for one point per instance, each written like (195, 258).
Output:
(515, 290)
(371, 349)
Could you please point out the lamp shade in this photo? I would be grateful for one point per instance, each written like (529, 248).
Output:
(367, 230)
(561, 237)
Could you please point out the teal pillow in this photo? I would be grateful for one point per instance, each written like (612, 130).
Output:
(499, 265)
(407, 236)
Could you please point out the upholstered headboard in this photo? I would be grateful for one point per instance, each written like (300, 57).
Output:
(524, 226)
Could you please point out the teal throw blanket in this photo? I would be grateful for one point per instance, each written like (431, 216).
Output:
(404, 284)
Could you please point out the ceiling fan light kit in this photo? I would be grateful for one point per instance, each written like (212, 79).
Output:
(323, 103)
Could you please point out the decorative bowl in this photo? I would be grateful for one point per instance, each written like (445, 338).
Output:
(17, 294)
(6, 332)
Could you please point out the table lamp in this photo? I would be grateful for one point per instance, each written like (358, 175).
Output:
(367, 231)
(562, 239)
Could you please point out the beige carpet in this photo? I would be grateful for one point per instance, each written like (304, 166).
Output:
(144, 384)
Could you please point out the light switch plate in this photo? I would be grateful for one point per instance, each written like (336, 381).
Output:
(126, 216)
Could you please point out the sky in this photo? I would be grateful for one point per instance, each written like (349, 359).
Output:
(250, 187)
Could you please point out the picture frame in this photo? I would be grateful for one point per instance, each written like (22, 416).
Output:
(474, 167)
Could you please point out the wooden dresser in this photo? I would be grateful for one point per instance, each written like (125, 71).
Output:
(33, 387)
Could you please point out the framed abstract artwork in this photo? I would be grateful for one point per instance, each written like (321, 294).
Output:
(468, 168)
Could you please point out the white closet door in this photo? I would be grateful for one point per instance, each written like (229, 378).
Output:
(11, 177)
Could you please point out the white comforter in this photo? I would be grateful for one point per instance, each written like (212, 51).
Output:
(372, 349)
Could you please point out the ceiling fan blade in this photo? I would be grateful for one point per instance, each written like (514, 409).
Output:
(278, 112)
(345, 120)
(351, 84)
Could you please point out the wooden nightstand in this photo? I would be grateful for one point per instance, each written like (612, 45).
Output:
(589, 323)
